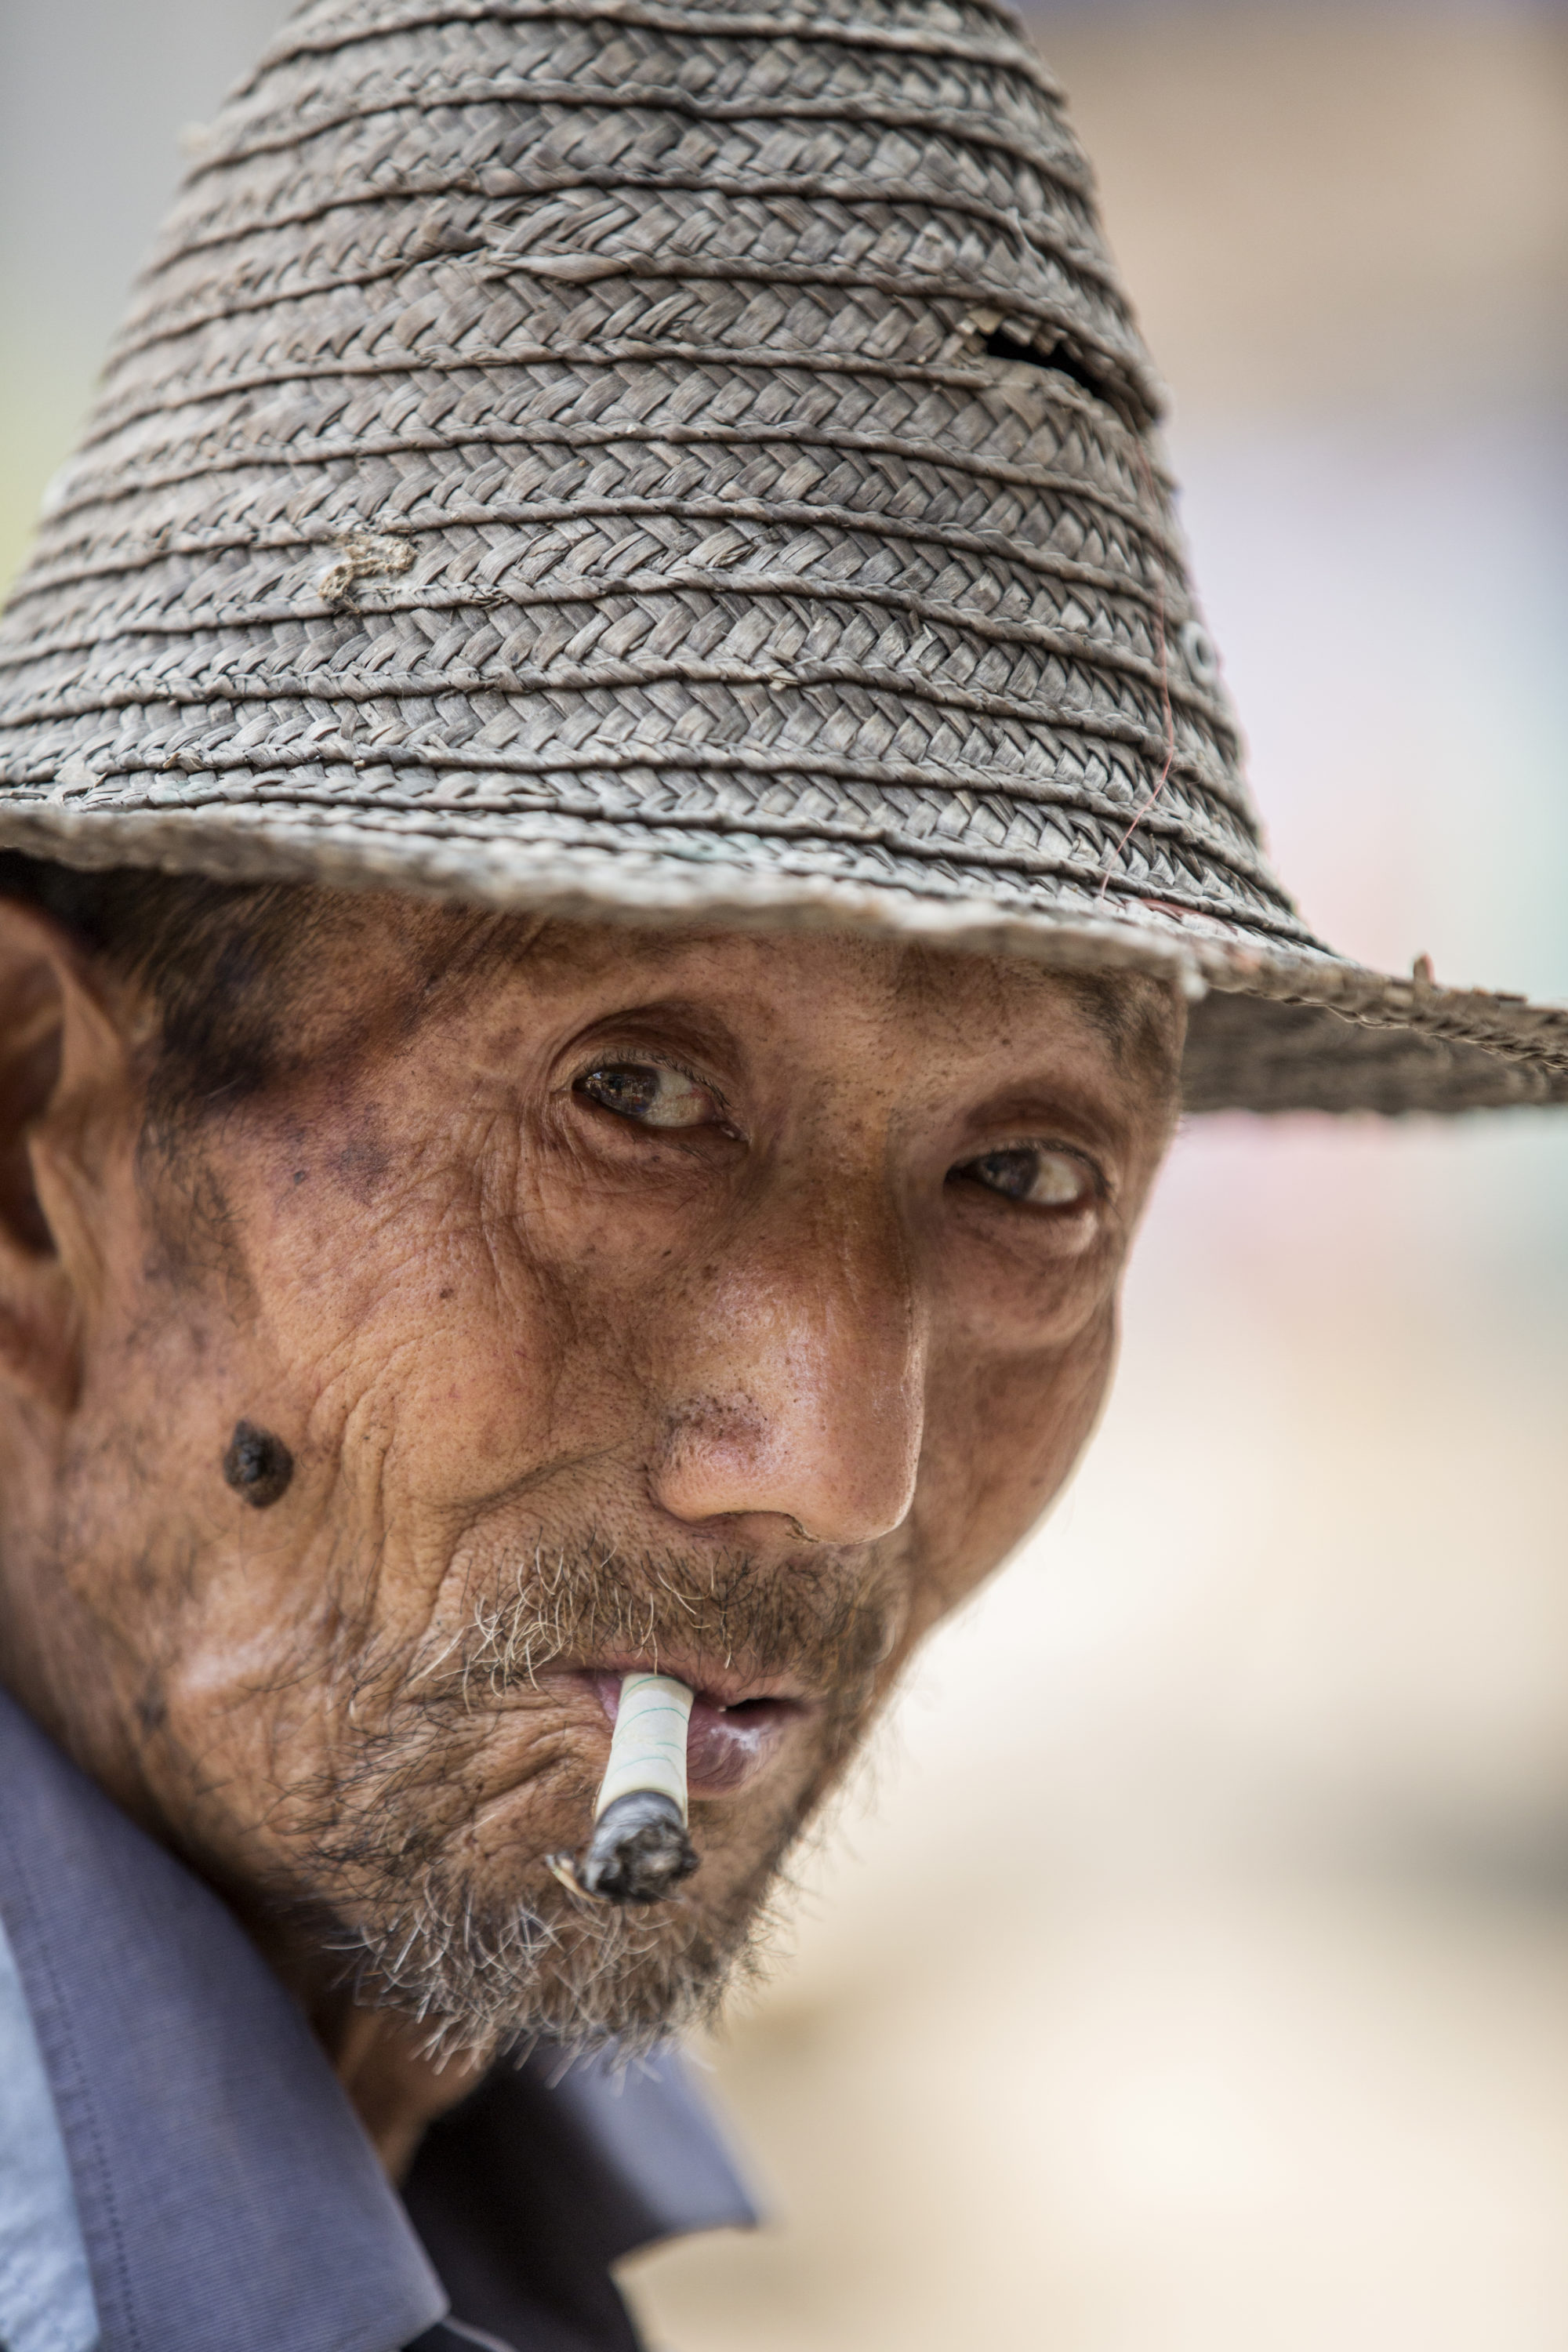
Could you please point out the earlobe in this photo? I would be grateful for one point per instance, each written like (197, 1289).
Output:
(58, 1043)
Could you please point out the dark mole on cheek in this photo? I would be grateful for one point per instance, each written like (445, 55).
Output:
(258, 1465)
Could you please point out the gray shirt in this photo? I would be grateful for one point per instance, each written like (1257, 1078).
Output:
(179, 2168)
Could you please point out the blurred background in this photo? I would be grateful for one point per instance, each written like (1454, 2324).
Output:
(1190, 1967)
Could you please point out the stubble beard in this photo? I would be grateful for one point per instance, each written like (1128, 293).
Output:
(508, 1959)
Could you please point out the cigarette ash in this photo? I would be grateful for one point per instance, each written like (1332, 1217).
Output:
(639, 1851)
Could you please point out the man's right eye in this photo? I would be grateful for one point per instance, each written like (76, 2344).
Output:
(651, 1092)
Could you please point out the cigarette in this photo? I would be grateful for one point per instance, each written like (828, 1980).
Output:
(639, 1851)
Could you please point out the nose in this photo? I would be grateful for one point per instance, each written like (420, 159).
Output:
(798, 1388)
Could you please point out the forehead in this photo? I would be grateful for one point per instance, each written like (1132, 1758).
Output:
(389, 966)
(819, 981)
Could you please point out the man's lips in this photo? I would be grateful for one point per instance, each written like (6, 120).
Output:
(732, 1735)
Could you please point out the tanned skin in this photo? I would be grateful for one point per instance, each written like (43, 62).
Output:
(777, 1273)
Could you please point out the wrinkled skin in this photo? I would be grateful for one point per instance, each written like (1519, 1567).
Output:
(621, 1296)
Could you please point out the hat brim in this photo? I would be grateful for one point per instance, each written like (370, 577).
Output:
(1267, 1031)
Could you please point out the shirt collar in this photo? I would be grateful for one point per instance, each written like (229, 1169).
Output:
(227, 2191)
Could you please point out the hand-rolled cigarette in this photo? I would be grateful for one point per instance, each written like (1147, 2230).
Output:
(639, 1851)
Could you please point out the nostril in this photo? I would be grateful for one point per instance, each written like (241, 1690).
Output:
(826, 1479)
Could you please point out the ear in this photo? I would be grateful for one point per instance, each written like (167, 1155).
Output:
(65, 1069)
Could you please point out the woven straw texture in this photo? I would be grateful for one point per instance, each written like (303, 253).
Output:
(680, 462)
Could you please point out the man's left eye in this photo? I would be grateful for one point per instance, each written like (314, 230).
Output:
(648, 1092)
(1046, 1178)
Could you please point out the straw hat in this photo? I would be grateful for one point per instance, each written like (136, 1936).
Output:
(686, 461)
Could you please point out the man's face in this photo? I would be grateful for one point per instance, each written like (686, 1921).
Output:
(726, 1302)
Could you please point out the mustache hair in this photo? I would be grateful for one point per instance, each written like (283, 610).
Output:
(480, 1968)
(807, 1619)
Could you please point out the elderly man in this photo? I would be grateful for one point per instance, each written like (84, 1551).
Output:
(621, 843)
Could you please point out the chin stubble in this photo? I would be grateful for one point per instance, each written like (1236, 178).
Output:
(416, 1929)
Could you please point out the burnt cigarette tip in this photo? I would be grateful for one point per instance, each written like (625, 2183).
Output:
(639, 1851)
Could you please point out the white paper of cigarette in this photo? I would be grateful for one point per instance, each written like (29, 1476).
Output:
(647, 1750)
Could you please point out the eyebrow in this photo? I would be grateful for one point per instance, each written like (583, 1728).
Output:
(1103, 1003)
(1123, 1017)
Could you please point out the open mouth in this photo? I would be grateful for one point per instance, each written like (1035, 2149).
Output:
(729, 1739)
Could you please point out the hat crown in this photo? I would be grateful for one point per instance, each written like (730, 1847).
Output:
(924, 144)
(663, 415)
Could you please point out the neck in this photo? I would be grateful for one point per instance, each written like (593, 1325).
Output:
(395, 2088)
(382, 2059)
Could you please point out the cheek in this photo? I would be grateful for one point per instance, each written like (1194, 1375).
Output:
(1028, 1298)
(1004, 1431)
(440, 1349)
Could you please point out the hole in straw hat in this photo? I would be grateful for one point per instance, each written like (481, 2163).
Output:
(1003, 343)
